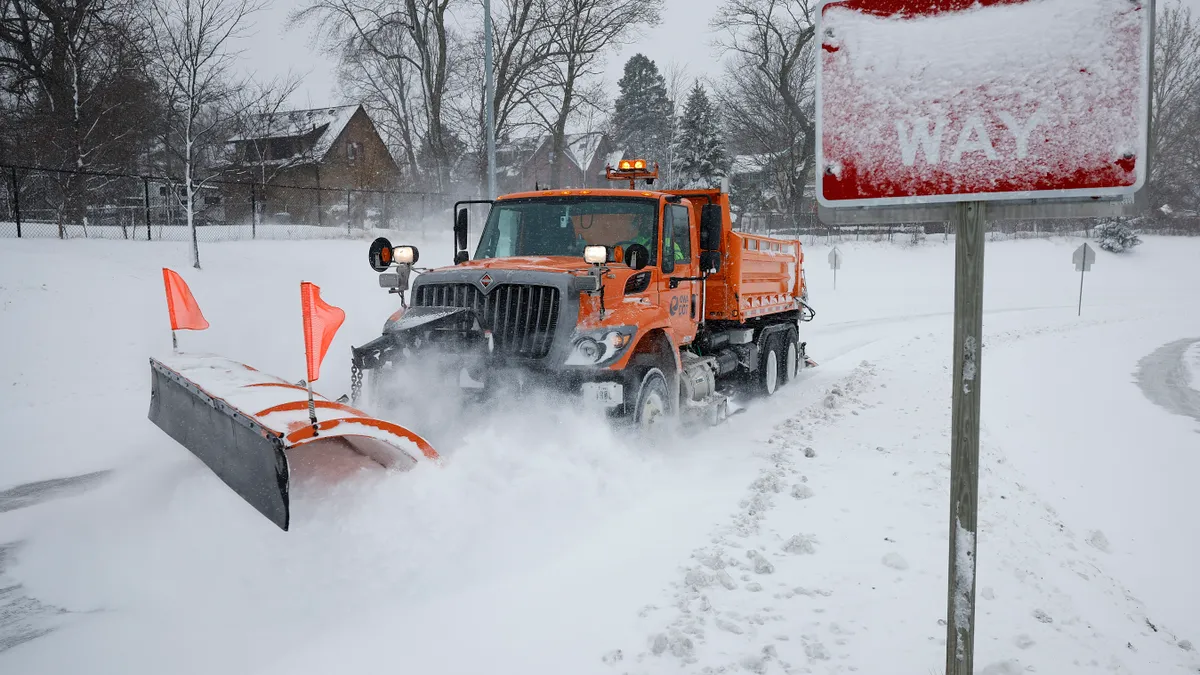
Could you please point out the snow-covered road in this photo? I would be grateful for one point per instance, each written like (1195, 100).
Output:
(806, 535)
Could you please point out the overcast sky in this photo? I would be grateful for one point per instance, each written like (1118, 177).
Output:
(273, 48)
(683, 36)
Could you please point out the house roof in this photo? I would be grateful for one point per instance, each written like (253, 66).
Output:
(297, 123)
(581, 148)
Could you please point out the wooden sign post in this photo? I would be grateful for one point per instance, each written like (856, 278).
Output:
(919, 121)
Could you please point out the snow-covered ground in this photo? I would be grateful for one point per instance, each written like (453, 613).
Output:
(806, 535)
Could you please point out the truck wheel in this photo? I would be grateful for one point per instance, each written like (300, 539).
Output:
(768, 367)
(791, 359)
(652, 407)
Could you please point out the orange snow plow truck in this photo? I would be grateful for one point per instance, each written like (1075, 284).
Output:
(643, 303)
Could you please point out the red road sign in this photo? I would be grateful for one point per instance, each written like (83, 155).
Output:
(927, 101)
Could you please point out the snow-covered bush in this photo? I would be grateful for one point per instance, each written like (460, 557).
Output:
(1116, 236)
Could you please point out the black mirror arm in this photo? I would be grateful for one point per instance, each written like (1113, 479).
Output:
(675, 281)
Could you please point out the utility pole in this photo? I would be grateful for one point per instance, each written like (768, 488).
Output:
(490, 98)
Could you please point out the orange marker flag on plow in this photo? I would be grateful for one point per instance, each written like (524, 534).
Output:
(321, 323)
(185, 313)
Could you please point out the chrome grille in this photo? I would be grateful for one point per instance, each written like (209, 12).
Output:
(522, 317)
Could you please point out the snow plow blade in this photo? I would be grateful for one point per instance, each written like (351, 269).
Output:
(253, 431)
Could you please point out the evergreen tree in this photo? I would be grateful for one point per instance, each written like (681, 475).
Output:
(1116, 236)
(643, 116)
(700, 157)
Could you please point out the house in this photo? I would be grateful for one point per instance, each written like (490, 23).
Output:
(305, 166)
(524, 163)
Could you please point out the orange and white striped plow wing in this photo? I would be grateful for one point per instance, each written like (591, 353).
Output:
(253, 430)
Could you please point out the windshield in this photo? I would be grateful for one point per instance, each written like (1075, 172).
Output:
(564, 226)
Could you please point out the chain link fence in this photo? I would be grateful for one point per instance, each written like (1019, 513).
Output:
(51, 203)
(45, 203)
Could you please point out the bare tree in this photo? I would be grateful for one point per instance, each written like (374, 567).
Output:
(190, 40)
(75, 75)
(391, 48)
(580, 32)
(677, 76)
(769, 85)
(1175, 124)
(523, 53)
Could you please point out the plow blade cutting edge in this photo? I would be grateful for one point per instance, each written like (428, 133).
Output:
(253, 431)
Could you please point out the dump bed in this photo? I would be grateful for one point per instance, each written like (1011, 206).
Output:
(759, 276)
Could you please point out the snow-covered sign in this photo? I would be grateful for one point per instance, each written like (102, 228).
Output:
(835, 259)
(934, 101)
(1083, 258)
(835, 263)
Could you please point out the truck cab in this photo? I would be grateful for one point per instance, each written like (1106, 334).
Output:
(636, 300)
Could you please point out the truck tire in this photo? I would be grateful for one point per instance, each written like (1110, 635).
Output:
(769, 366)
(790, 366)
(652, 407)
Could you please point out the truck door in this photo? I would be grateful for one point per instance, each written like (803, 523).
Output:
(679, 260)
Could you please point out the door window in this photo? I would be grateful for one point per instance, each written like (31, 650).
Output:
(668, 239)
(681, 235)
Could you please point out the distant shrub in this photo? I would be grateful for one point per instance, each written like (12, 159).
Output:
(912, 235)
(1116, 236)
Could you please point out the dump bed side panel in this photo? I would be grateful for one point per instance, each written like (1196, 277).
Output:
(760, 276)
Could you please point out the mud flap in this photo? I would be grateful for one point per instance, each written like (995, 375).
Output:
(805, 359)
(250, 459)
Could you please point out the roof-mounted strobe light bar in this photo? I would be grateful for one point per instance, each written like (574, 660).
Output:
(632, 170)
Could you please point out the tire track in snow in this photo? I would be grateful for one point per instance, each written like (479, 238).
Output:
(1164, 378)
(36, 492)
(22, 617)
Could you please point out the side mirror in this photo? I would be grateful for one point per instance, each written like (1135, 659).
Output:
(637, 256)
(380, 255)
(710, 227)
(461, 257)
(710, 262)
(460, 231)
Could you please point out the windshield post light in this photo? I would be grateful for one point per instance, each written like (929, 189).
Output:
(405, 255)
(595, 255)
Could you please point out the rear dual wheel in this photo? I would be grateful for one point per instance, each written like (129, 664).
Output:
(791, 361)
(768, 366)
(778, 362)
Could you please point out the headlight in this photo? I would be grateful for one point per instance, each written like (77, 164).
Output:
(589, 349)
(596, 348)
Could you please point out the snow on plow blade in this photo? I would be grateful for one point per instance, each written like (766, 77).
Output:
(253, 431)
